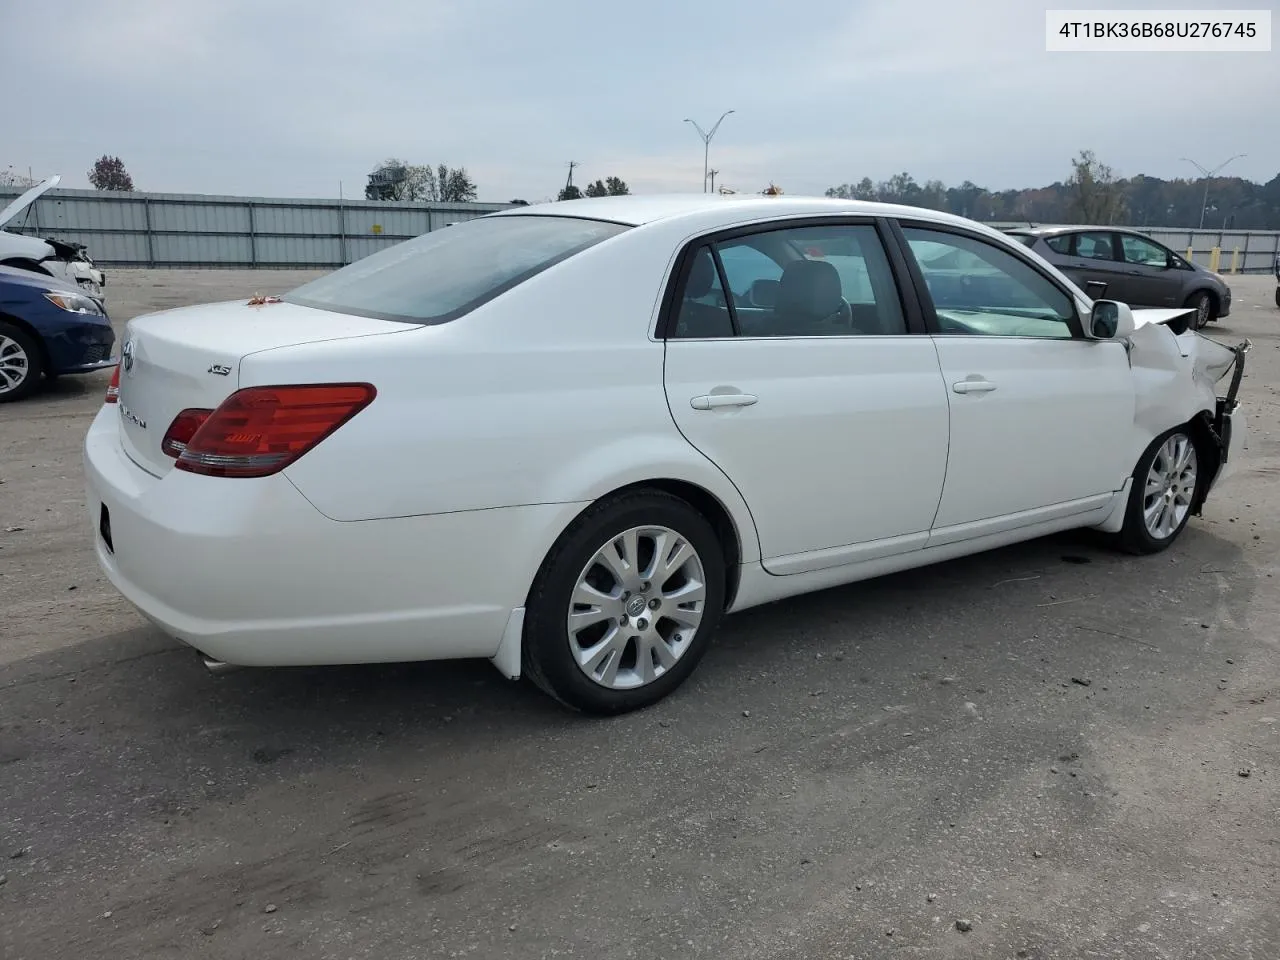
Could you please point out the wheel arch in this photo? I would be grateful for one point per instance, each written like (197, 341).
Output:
(728, 530)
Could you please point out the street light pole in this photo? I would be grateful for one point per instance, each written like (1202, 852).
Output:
(1204, 202)
(706, 144)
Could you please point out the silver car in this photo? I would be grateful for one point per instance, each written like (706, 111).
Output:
(1129, 266)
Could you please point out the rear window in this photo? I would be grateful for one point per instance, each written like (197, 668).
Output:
(1026, 239)
(443, 274)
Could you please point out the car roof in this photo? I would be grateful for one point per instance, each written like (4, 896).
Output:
(1050, 230)
(636, 210)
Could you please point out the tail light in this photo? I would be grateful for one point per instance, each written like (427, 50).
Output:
(259, 431)
(113, 388)
(181, 431)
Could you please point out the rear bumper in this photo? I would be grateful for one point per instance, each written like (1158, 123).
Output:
(250, 573)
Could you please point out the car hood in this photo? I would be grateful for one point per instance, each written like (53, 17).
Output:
(14, 209)
(15, 276)
(1143, 316)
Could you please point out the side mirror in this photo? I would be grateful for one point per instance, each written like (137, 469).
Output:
(1111, 320)
(764, 293)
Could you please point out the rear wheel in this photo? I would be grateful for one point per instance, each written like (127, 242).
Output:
(1205, 314)
(20, 363)
(1165, 484)
(1278, 296)
(625, 604)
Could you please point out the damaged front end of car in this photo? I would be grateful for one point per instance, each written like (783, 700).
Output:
(65, 260)
(1178, 370)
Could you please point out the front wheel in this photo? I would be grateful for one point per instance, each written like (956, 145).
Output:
(20, 363)
(1165, 483)
(625, 604)
(1203, 304)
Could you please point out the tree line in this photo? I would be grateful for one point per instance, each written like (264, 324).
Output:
(1091, 194)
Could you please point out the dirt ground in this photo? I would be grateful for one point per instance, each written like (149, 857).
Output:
(1074, 751)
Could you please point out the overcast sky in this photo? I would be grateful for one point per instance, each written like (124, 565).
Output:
(291, 97)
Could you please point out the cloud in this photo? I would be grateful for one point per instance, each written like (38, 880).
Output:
(292, 97)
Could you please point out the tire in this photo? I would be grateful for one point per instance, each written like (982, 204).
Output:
(640, 653)
(1278, 296)
(1202, 300)
(21, 363)
(1153, 481)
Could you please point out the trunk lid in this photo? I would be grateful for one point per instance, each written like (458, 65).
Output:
(190, 357)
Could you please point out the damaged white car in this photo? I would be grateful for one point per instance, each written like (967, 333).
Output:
(570, 437)
(55, 258)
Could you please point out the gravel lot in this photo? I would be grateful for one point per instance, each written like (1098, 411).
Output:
(1076, 752)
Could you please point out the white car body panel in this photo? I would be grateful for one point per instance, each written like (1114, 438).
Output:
(1018, 447)
(174, 360)
(829, 404)
(416, 529)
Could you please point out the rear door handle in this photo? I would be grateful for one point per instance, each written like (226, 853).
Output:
(713, 401)
(973, 386)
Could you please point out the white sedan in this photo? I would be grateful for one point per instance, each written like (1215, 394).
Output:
(569, 437)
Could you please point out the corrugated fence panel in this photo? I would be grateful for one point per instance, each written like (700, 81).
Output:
(391, 221)
(360, 247)
(137, 229)
(169, 216)
(281, 251)
(195, 249)
(304, 221)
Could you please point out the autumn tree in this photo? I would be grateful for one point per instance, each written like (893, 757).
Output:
(1096, 196)
(108, 173)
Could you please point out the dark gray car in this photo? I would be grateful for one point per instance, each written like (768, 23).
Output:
(1136, 269)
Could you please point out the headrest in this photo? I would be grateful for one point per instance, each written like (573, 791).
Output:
(809, 288)
(701, 276)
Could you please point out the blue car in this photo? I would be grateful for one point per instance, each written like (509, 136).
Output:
(48, 327)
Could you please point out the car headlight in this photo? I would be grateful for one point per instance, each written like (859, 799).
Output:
(74, 302)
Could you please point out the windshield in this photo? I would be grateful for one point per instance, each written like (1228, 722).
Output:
(448, 272)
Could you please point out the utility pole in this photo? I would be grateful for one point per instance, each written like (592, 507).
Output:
(713, 179)
(1204, 203)
(569, 183)
(706, 144)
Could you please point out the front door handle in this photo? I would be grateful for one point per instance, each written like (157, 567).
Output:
(713, 401)
(973, 386)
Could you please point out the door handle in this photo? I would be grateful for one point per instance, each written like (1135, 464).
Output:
(973, 386)
(713, 401)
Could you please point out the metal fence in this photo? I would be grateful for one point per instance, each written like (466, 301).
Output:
(1225, 251)
(191, 230)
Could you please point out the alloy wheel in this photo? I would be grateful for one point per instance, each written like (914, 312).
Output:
(636, 607)
(1170, 487)
(15, 365)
